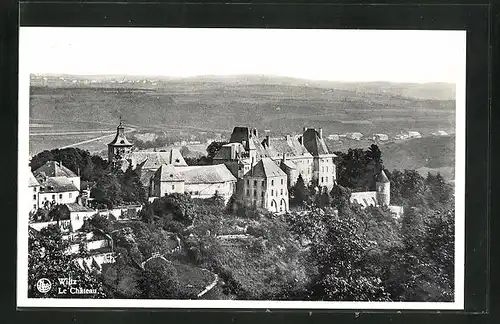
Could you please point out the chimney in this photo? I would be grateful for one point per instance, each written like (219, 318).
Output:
(301, 140)
(256, 132)
(284, 157)
(321, 133)
(268, 140)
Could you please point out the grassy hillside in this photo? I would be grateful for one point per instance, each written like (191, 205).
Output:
(427, 154)
(209, 105)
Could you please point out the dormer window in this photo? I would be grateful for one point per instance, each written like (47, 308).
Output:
(122, 142)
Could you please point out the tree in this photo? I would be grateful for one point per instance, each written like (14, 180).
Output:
(159, 280)
(299, 192)
(325, 200)
(213, 148)
(344, 269)
(90, 167)
(440, 193)
(340, 196)
(180, 206)
(122, 277)
(102, 223)
(351, 168)
(107, 191)
(374, 154)
(132, 189)
(48, 259)
(41, 215)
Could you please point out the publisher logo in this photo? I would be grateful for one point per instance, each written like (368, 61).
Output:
(43, 285)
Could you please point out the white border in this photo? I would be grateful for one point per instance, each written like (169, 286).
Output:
(22, 232)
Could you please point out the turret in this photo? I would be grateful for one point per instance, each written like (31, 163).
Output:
(383, 187)
(120, 146)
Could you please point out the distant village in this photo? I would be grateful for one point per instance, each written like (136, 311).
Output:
(257, 170)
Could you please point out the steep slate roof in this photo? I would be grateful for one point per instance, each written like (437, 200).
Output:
(313, 143)
(365, 198)
(289, 145)
(74, 207)
(153, 160)
(249, 141)
(145, 177)
(54, 169)
(58, 184)
(33, 182)
(265, 168)
(288, 164)
(167, 172)
(240, 135)
(206, 174)
(381, 177)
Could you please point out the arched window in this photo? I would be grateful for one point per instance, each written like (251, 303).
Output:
(274, 206)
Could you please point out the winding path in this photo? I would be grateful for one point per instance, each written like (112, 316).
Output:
(207, 288)
(96, 139)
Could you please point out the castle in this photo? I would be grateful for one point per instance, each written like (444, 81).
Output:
(258, 170)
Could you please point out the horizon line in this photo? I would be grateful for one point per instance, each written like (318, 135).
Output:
(233, 76)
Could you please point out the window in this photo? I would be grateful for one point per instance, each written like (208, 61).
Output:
(34, 189)
(282, 192)
(248, 182)
(263, 183)
(272, 192)
(281, 181)
(262, 194)
(45, 198)
(327, 170)
(322, 169)
(53, 197)
(34, 197)
(70, 195)
(173, 187)
(255, 193)
(272, 182)
(255, 183)
(248, 192)
(326, 179)
(321, 179)
(34, 206)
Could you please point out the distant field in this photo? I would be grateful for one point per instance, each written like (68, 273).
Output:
(41, 143)
(47, 135)
(427, 154)
(192, 106)
(219, 107)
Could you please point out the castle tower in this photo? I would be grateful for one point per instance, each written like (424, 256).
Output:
(383, 187)
(119, 146)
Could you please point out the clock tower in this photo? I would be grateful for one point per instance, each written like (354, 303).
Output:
(120, 146)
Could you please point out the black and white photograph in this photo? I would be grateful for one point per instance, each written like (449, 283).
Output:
(241, 168)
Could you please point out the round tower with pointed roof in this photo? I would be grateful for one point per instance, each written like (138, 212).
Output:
(120, 146)
(383, 187)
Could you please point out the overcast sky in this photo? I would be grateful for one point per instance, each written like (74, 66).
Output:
(337, 55)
